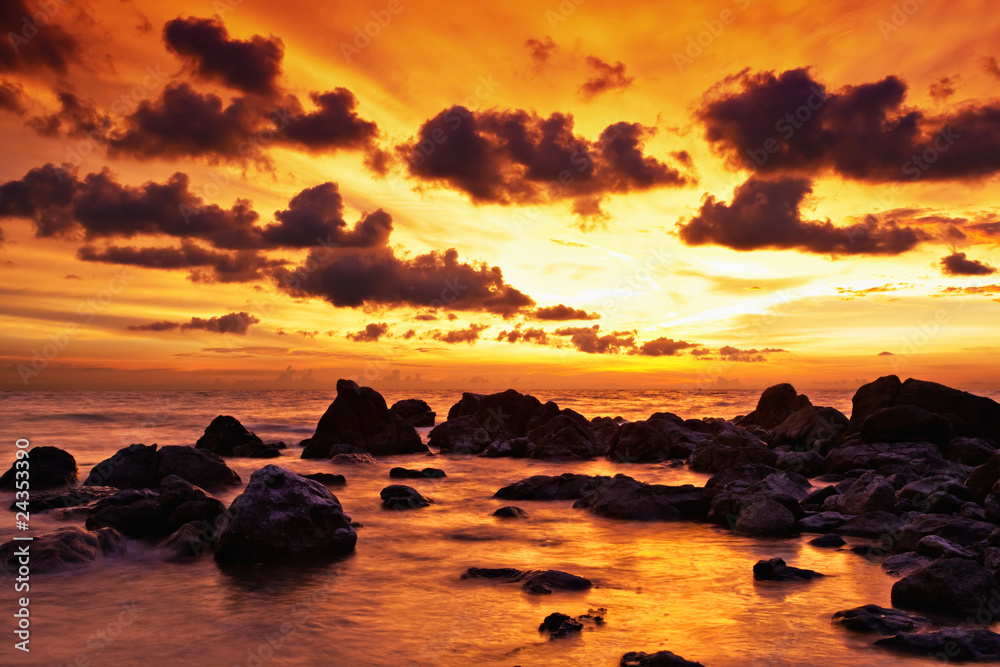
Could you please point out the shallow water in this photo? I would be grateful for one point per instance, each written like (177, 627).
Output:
(398, 599)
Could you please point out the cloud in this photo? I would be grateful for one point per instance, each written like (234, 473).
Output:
(12, 98)
(563, 313)
(224, 267)
(591, 341)
(49, 47)
(765, 214)
(234, 323)
(470, 335)
(957, 264)
(517, 157)
(75, 118)
(790, 123)
(885, 354)
(518, 335)
(251, 66)
(541, 50)
(664, 347)
(604, 77)
(316, 215)
(989, 65)
(943, 88)
(730, 353)
(370, 334)
(333, 125)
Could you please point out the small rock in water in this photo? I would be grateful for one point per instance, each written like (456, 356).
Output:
(560, 625)
(775, 569)
(407, 473)
(872, 618)
(354, 459)
(537, 582)
(327, 479)
(511, 512)
(658, 659)
(830, 540)
(402, 497)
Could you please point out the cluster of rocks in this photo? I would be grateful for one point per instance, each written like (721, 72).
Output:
(560, 626)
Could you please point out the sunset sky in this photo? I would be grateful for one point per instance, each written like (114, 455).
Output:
(581, 194)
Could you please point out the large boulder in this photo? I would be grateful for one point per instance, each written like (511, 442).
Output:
(622, 497)
(503, 416)
(567, 486)
(810, 428)
(402, 497)
(775, 405)
(143, 467)
(226, 436)
(872, 397)
(414, 411)
(967, 644)
(717, 457)
(48, 467)
(283, 517)
(954, 586)
(906, 423)
(869, 493)
(459, 435)
(656, 439)
(765, 518)
(566, 435)
(360, 417)
(62, 548)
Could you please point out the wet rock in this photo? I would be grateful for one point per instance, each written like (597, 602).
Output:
(854, 455)
(810, 428)
(536, 582)
(560, 625)
(828, 541)
(402, 497)
(970, 451)
(132, 467)
(78, 496)
(658, 659)
(622, 497)
(283, 517)
(566, 435)
(982, 478)
(353, 459)
(143, 467)
(814, 501)
(459, 435)
(775, 405)
(978, 416)
(872, 397)
(61, 549)
(189, 541)
(567, 486)
(226, 436)
(656, 439)
(604, 429)
(823, 522)
(869, 493)
(991, 560)
(905, 563)
(922, 488)
(951, 586)
(414, 411)
(718, 457)
(49, 467)
(739, 478)
(872, 618)
(775, 569)
(765, 518)
(808, 464)
(936, 546)
(144, 513)
(407, 473)
(327, 479)
(965, 644)
(961, 531)
(873, 525)
(906, 423)
(510, 512)
(360, 417)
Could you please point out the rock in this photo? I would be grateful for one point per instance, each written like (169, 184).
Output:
(965, 644)
(828, 541)
(510, 512)
(906, 423)
(872, 397)
(658, 659)
(982, 478)
(739, 478)
(810, 428)
(873, 525)
(353, 459)
(143, 513)
(536, 582)
(923, 488)
(189, 541)
(407, 473)
(716, 457)
(823, 522)
(560, 625)
(502, 416)
(950, 586)
(604, 429)
(869, 493)
(961, 531)
(327, 479)
(657, 439)
(765, 518)
(65, 498)
(808, 464)
(360, 417)
(970, 451)
(870, 456)
(283, 517)
(226, 436)
(872, 618)
(459, 435)
(567, 486)
(414, 411)
(622, 497)
(905, 563)
(775, 405)
(402, 497)
(775, 569)
(978, 416)
(62, 548)
(49, 467)
(142, 467)
(567, 435)
(936, 546)
(991, 560)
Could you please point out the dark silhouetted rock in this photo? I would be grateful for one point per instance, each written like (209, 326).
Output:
(983, 478)
(810, 428)
(560, 625)
(510, 512)
(765, 518)
(658, 659)
(78, 496)
(872, 618)
(327, 479)
(132, 467)
(960, 644)
(566, 435)
(659, 439)
(502, 416)
(950, 586)
(775, 405)
(936, 546)
(808, 464)
(622, 497)
(142, 467)
(869, 493)
(906, 423)
(283, 517)
(536, 582)
(823, 522)
(414, 411)
(775, 569)
(48, 467)
(360, 417)
(567, 486)
(190, 541)
(960, 530)
(873, 525)
(970, 451)
(828, 541)
(875, 455)
(905, 563)
(738, 478)
(60, 549)
(872, 397)
(145, 513)
(459, 435)
(717, 457)
(407, 473)
(226, 436)
(402, 497)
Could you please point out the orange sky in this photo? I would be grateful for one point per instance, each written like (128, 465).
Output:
(788, 309)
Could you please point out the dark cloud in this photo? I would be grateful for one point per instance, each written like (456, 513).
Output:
(234, 323)
(943, 88)
(75, 118)
(470, 335)
(563, 313)
(517, 157)
(12, 98)
(664, 347)
(354, 278)
(251, 66)
(591, 341)
(957, 264)
(333, 125)
(370, 334)
(604, 77)
(27, 46)
(208, 265)
(790, 123)
(766, 214)
(541, 50)
(517, 335)
(989, 64)
(316, 215)
(730, 353)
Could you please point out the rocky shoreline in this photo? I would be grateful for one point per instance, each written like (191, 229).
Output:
(913, 473)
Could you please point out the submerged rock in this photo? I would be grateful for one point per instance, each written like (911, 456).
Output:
(402, 497)
(966, 643)
(414, 411)
(510, 512)
(567, 486)
(407, 473)
(872, 618)
(775, 569)
(560, 625)
(950, 586)
(62, 548)
(536, 582)
(226, 436)
(78, 496)
(622, 497)
(327, 479)
(283, 517)
(828, 541)
(190, 541)
(48, 467)
(658, 659)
